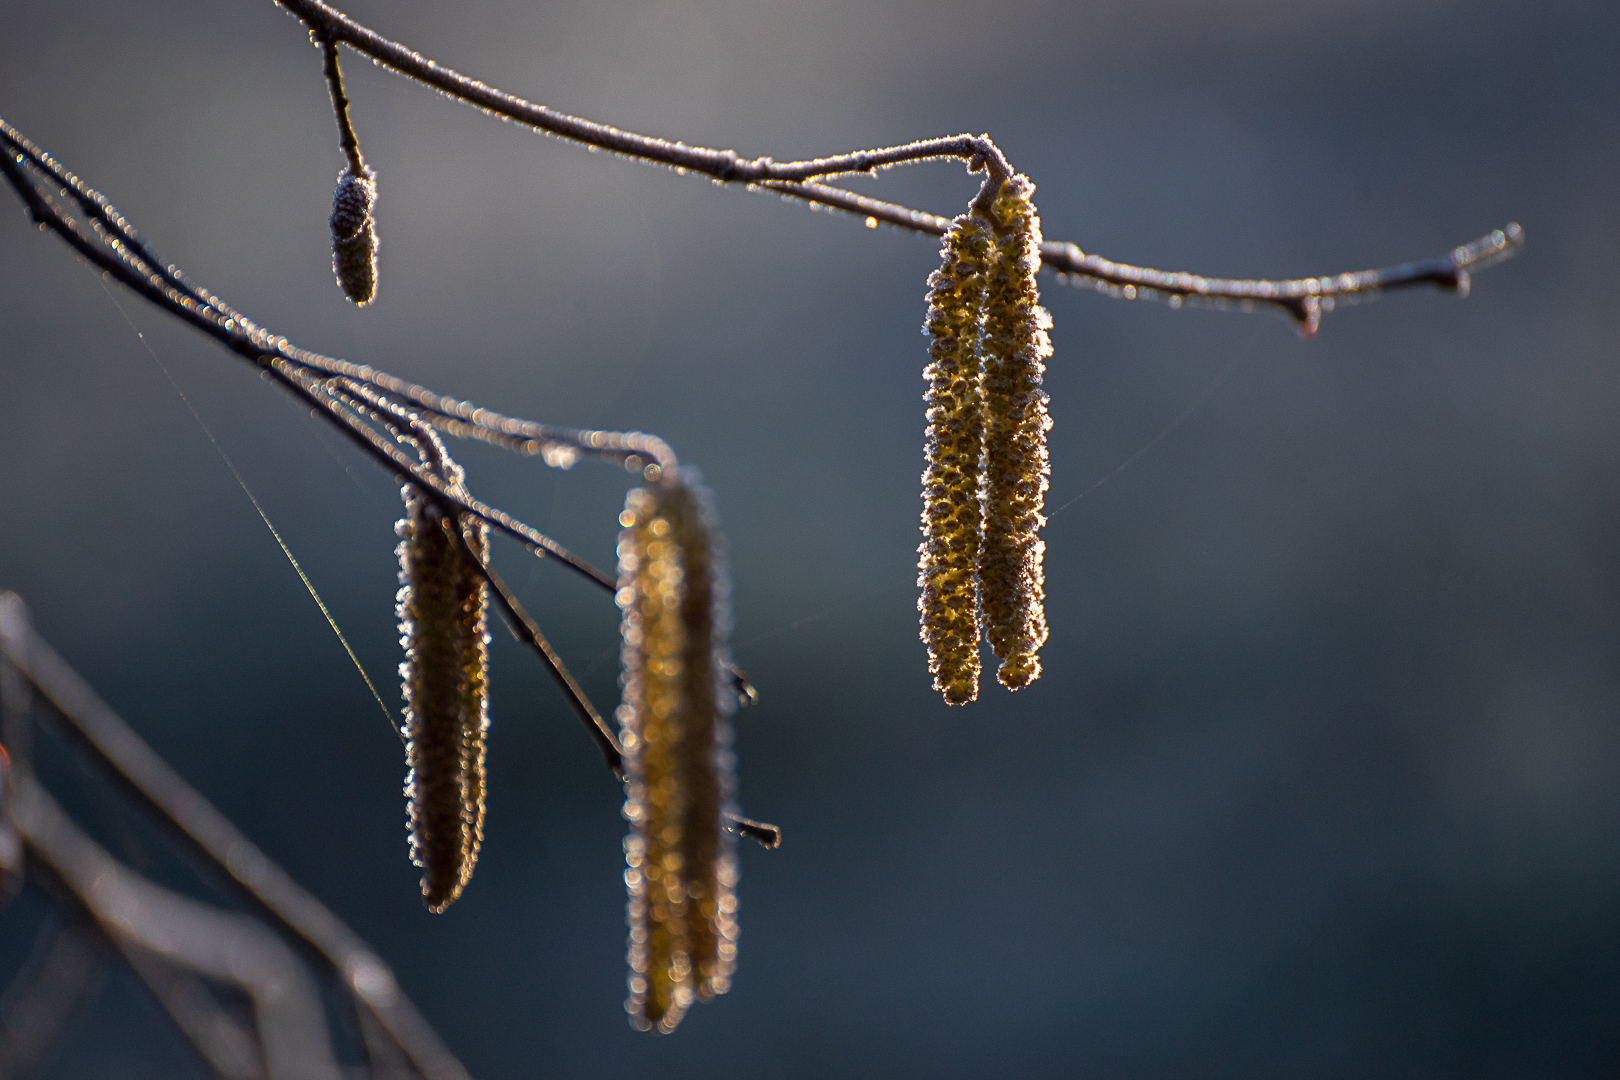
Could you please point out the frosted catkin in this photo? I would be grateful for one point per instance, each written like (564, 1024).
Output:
(354, 234)
(1016, 469)
(951, 516)
(443, 606)
(674, 726)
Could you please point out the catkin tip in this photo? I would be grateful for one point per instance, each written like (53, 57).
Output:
(681, 863)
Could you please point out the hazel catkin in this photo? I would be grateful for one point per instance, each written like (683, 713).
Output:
(952, 523)
(681, 860)
(443, 606)
(1016, 470)
(354, 234)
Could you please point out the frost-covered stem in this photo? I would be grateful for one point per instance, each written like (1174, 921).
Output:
(355, 399)
(1298, 297)
(108, 241)
(340, 105)
(1306, 299)
(529, 631)
(329, 24)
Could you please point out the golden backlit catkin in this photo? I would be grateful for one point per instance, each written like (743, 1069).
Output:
(354, 234)
(443, 606)
(681, 861)
(951, 517)
(1015, 348)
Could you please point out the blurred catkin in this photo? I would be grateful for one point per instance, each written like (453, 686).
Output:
(1016, 470)
(682, 863)
(443, 608)
(951, 518)
(354, 234)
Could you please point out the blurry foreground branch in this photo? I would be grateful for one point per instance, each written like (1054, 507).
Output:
(171, 940)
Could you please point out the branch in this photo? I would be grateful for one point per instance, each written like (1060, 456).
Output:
(109, 242)
(221, 945)
(1306, 299)
(229, 1048)
(183, 809)
(529, 632)
(357, 400)
(328, 24)
(320, 394)
(768, 835)
(340, 106)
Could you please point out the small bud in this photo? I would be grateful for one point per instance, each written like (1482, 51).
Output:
(443, 606)
(951, 519)
(354, 235)
(678, 696)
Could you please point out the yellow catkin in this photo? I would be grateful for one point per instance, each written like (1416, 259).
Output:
(354, 235)
(951, 521)
(681, 862)
(443, 607)
(1016, 470)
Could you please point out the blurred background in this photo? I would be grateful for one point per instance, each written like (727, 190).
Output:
(1323, 778)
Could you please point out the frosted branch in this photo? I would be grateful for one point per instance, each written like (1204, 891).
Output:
(1305, 299)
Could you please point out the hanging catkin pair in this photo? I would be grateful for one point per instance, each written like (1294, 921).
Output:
(682, 863)
(443, 606)
(987, 471)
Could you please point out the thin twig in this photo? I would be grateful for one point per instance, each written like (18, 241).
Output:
(340, 107)
(1306, 299)
(329, 24)
(529, 631)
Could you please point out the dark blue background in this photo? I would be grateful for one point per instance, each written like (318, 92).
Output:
(1323, 778)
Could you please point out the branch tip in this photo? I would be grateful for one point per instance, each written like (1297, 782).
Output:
(768, 836)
